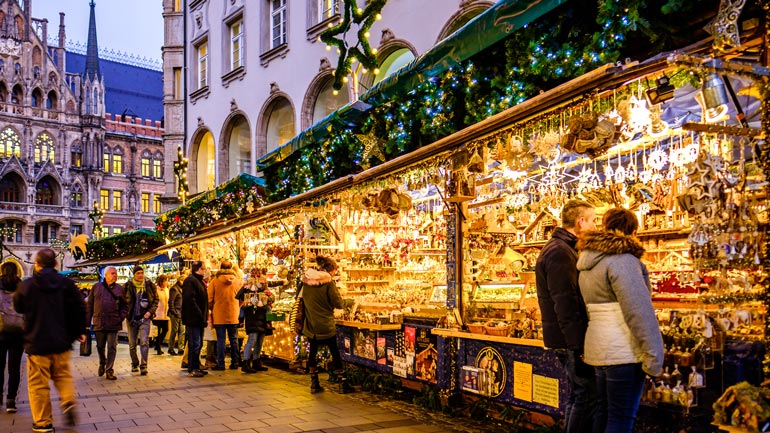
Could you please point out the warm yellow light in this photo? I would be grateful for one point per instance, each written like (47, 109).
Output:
(345, 79)
(360, 10)
(330, 25)
(364, 71)
(374, 50)
(376, 71)
(378, 17)
(328, 48)
(367, 34)
(335, 92)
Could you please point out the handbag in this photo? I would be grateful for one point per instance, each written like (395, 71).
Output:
(11, 322)
(85, 347)
(297, 315)
(269, 328)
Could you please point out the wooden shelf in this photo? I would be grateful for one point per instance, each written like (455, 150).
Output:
(678, 231)
(364, 281)
(370, 326)
(389, 268)
(441, 332)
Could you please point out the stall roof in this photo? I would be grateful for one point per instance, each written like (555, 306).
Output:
(207, 234)
(127, 260)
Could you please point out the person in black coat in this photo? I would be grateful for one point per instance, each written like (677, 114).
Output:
(11, 342)
(176, 329)
(195, 310)
(142, 299)
(257, 300)
(54, 317)
(564, 314)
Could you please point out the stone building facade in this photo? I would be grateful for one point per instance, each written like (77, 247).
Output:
(60, 152)
(243, 77)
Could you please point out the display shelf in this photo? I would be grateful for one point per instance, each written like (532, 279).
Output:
(729, 428)
(366, 281)
(416, 271)
(370, 326)
(684, 231)
(388, 268)
(441, 332)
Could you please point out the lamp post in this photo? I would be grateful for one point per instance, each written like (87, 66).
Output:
(180, 171)
(96, 219)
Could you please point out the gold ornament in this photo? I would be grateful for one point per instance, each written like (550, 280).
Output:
(372, 148)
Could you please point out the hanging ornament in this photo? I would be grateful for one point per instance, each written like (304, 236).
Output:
(372, 148)
(657, 160)
(724, 28)
(361, 50)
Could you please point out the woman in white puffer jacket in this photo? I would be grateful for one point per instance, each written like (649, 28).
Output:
(623, 340)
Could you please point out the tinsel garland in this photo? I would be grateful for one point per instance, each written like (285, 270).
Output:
(729, 298)
(534, 59)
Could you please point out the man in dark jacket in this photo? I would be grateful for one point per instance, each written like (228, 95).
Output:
(142, 300)
(195, 310)
(54, 317)
(176, 333)
(564, 314)
(106, 310)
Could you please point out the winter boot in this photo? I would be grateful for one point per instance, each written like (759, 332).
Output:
(256, 365)
(315, 386)
(246, 367)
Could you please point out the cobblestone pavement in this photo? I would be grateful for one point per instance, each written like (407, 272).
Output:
(276, 401)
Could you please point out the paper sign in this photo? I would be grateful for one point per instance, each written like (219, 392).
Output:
(545, 390)
(522, 381)
(399, 366)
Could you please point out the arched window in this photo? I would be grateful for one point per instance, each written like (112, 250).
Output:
(205, 163)
(2, 62)
(9, 143)
(18, 94)
(280, 124)
(96, 101)
(3, 92)
(51, 102)
(45, 232)
(146, 162)
(327, 101)
(36, 72)
(239, 146)
(76, 157)
(14, 225)
(76, 197)
(393, 63)
(12, 188)
(52, 80)
(88, 101)
(45, 191)
(44, 148)
(37, 97)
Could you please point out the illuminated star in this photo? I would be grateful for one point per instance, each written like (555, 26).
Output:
(372, 147)
(361, 51)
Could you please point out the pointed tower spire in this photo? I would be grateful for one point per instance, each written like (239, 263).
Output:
(92, 49)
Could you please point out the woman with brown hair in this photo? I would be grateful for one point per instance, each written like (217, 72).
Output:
(623, 340)
(11, 341)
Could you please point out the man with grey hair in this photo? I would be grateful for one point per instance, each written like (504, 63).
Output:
(106, 310)
(564, 314)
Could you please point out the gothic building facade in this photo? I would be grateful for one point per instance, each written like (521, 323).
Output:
(61, 153)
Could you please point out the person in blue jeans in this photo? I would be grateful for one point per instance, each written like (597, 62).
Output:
(257, 300)
(195, 311)
(563, 313)
(225, 308)
(142, 300)
(623, 340)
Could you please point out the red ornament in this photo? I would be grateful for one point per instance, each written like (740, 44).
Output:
(176, 218)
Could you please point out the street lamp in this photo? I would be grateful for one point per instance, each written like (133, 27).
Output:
(180, 171)
(96, 219)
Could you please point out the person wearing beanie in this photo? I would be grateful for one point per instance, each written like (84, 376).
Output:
(142, 300)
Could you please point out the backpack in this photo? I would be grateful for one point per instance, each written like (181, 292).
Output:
(11, 322)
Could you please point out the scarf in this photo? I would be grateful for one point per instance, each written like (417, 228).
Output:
(138, 309)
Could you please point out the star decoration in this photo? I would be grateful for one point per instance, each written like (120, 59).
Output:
(724, 28)
(78, 242)
(372, 148)
(361, 51)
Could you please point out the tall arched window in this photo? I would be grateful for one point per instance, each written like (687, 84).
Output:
(96, 101)
(239, 147)
(14, 225)
(51, 102)
(44, 148)
(3, 91)
(280, 124)
(46, 191)
(117, 160)
(9, 143)
(157, 165)
(146, 162)
(106, 159)
(76, 197)
(88, 101)
(45, 232)
(17, 97)
(12, 188)
(393, 63)
(205, 163)
(327, 101)
(37, 97)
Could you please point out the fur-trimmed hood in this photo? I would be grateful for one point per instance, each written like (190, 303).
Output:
(597, 244)
(227, 276)
(314, 277)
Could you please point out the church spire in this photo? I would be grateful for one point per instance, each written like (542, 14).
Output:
(92, 49)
